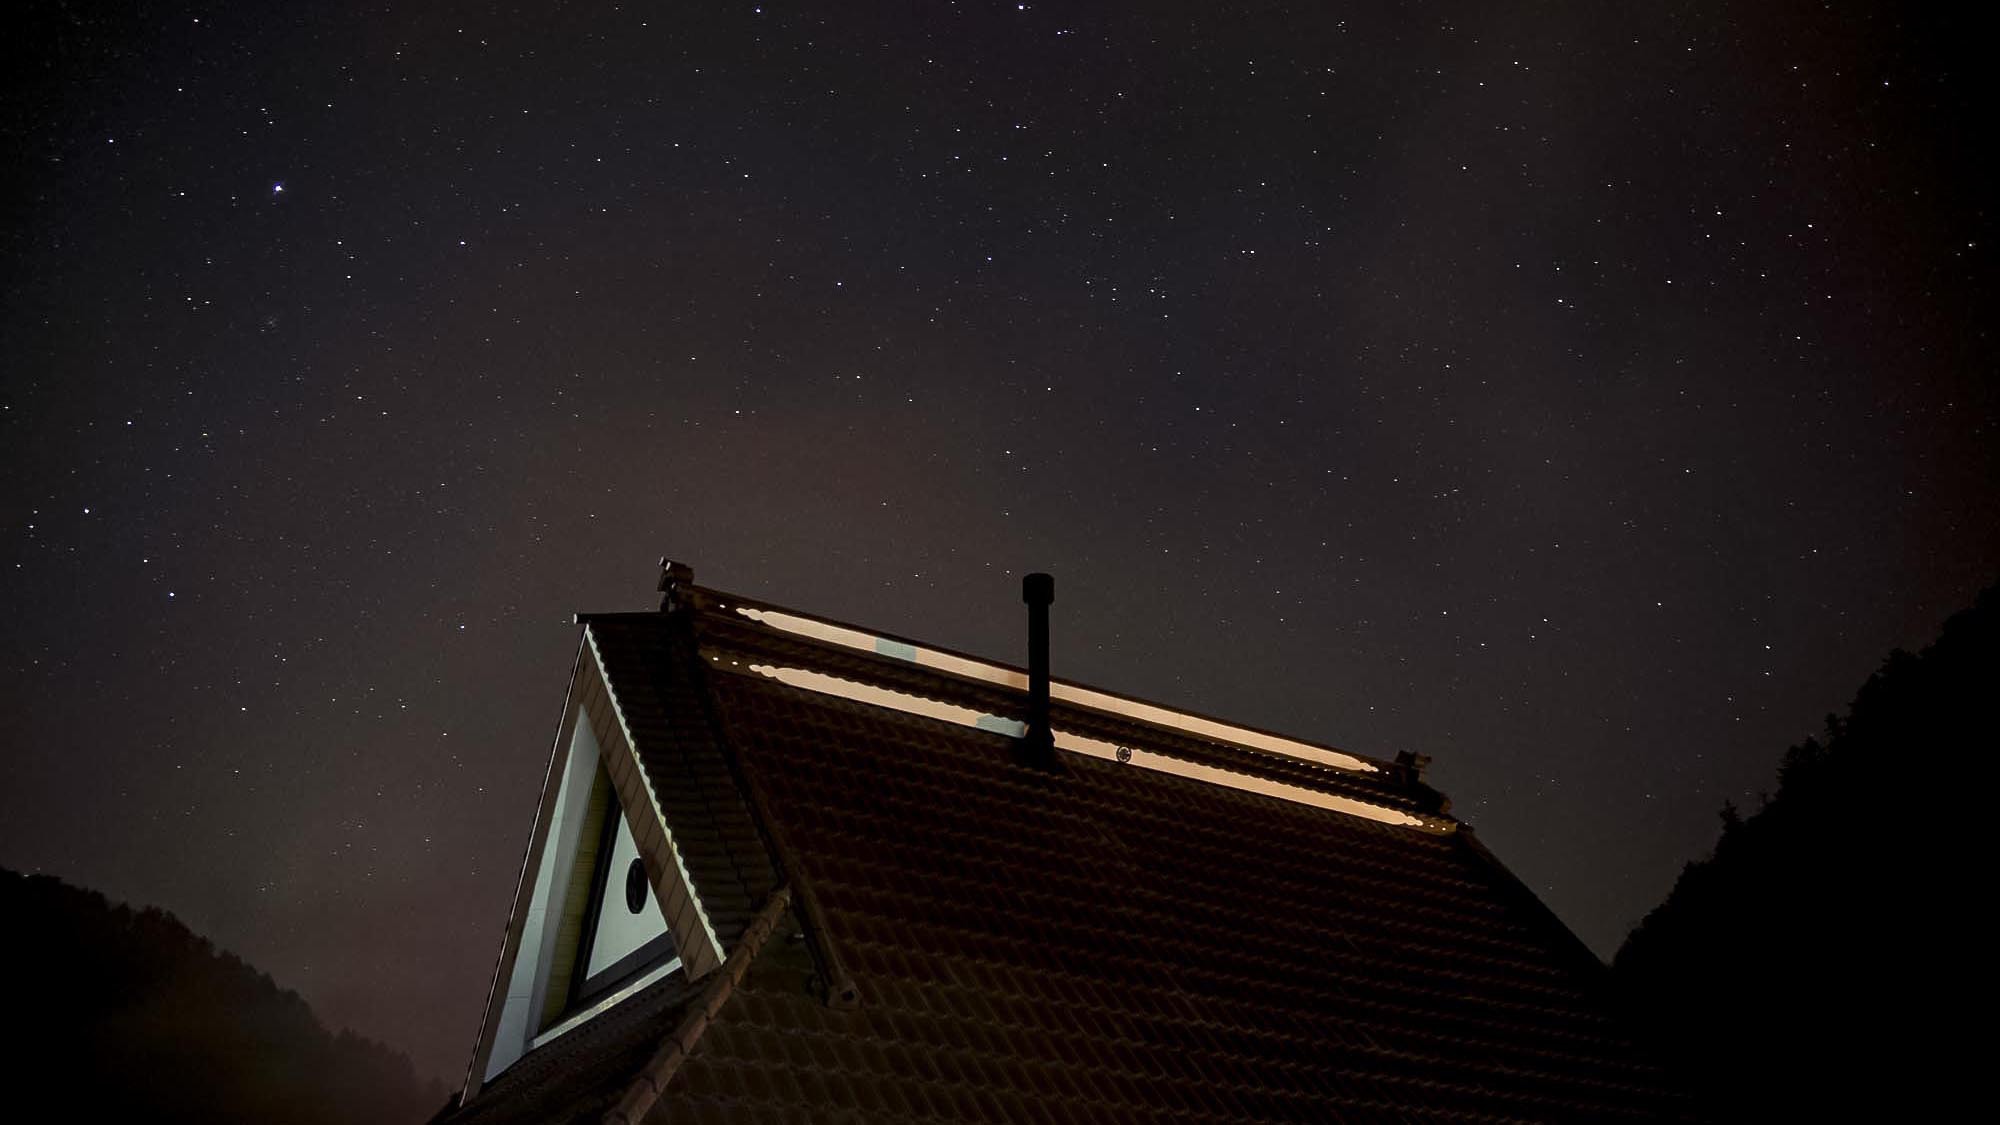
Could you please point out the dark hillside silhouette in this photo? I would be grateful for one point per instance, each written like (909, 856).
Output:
(122, 1014)
(1828, 961)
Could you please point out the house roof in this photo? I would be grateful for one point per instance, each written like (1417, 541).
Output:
(1184, 918)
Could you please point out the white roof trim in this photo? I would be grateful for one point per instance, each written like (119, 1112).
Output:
(1249, 783)
(1068, 693)
(579, 1018)
(883, 697)
(877, 696)
(524, 888)
(585, 744)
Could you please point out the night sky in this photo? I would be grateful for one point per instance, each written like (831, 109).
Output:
(1587, 395)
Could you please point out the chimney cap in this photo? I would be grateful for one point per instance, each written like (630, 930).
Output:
(1038, 589)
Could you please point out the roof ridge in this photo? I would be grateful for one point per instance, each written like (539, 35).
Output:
(1400, 802)
(851, 637)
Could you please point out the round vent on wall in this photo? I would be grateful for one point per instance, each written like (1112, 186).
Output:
(635, 887)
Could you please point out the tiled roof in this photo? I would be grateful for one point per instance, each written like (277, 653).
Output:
(1103, 942)
(577, 1076)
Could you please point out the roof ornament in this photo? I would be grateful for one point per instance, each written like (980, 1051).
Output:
(676, 579)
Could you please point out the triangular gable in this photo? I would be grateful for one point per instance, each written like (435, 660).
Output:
(581, 936)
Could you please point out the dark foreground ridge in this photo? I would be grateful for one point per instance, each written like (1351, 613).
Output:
(127, 1015)
(1818, 964)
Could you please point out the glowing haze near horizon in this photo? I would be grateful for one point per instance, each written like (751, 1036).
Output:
(1585, 397)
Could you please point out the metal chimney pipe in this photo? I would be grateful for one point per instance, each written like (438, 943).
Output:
(1038, 746)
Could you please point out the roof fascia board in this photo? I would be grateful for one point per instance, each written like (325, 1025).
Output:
(694, 935)
(524, 884)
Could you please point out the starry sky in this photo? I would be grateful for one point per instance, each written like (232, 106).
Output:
(1585, 395)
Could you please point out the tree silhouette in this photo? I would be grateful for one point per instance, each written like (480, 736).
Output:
(122, 1014)
(1821, 962)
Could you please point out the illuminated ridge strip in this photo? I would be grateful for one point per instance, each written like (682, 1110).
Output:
(872, 695)
(1067, 693)
(1249, 783)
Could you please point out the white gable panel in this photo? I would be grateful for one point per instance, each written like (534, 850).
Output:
(574, 945)
(538, 932)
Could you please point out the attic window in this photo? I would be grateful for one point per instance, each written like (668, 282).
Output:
(611, 929)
